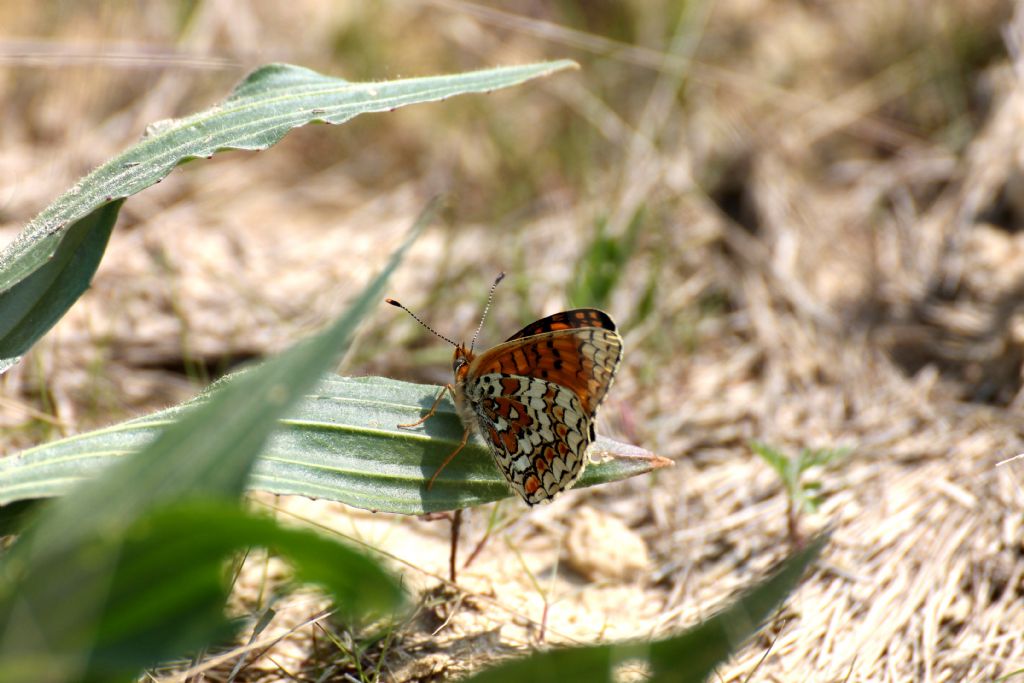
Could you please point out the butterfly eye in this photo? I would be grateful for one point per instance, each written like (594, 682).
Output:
(458, 363)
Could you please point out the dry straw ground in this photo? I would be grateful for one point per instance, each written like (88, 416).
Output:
(829, 254)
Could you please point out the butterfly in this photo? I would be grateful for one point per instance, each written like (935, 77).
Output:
(534, 397)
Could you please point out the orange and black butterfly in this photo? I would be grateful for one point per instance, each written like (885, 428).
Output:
(534, 398)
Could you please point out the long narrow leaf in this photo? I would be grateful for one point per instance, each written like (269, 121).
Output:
(341, 442)
(52, 261)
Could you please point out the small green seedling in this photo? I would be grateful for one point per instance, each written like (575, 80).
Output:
(804, 493)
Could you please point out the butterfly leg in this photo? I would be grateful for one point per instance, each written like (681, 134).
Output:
(451, 456)
(432, 411)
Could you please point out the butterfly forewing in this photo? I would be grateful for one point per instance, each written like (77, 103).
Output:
(579, 349)
(582, 359)
(578, 317)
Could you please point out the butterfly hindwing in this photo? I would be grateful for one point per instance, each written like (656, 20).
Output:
(537, 430)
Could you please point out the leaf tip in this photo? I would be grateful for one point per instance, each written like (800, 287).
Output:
(658, 461)
(611, 448)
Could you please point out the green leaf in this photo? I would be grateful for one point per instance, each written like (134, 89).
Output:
(36, 302)
(57, 583)
(824, 456)
(341, 442)
(699, 650)
(812, 503)
(776, 460)
(687, 658)
(603, 262)
(171, 580)
(14, 516)
(51, 262)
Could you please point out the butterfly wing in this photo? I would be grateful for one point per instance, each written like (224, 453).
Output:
(537, 430)
(578, 317)
(584, 359)
(535, 398)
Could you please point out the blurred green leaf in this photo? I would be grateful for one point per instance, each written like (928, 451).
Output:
(50, 264)
(687, 658)
(62, 585)
(14, 515)
(823, 457)
(648, 301)
(341, 442)
(603, 262)
(775, 459)
(170, 584)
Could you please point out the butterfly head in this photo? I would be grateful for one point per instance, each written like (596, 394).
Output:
(460, 362)
(463, 356)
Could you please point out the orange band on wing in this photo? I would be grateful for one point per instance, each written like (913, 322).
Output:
(581, 359)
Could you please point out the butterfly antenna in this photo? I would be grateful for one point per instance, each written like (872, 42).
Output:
(417, 319)
(490, 298)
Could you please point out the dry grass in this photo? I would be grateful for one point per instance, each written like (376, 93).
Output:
(831, 239)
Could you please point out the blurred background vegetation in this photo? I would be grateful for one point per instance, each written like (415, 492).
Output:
(805, 215)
